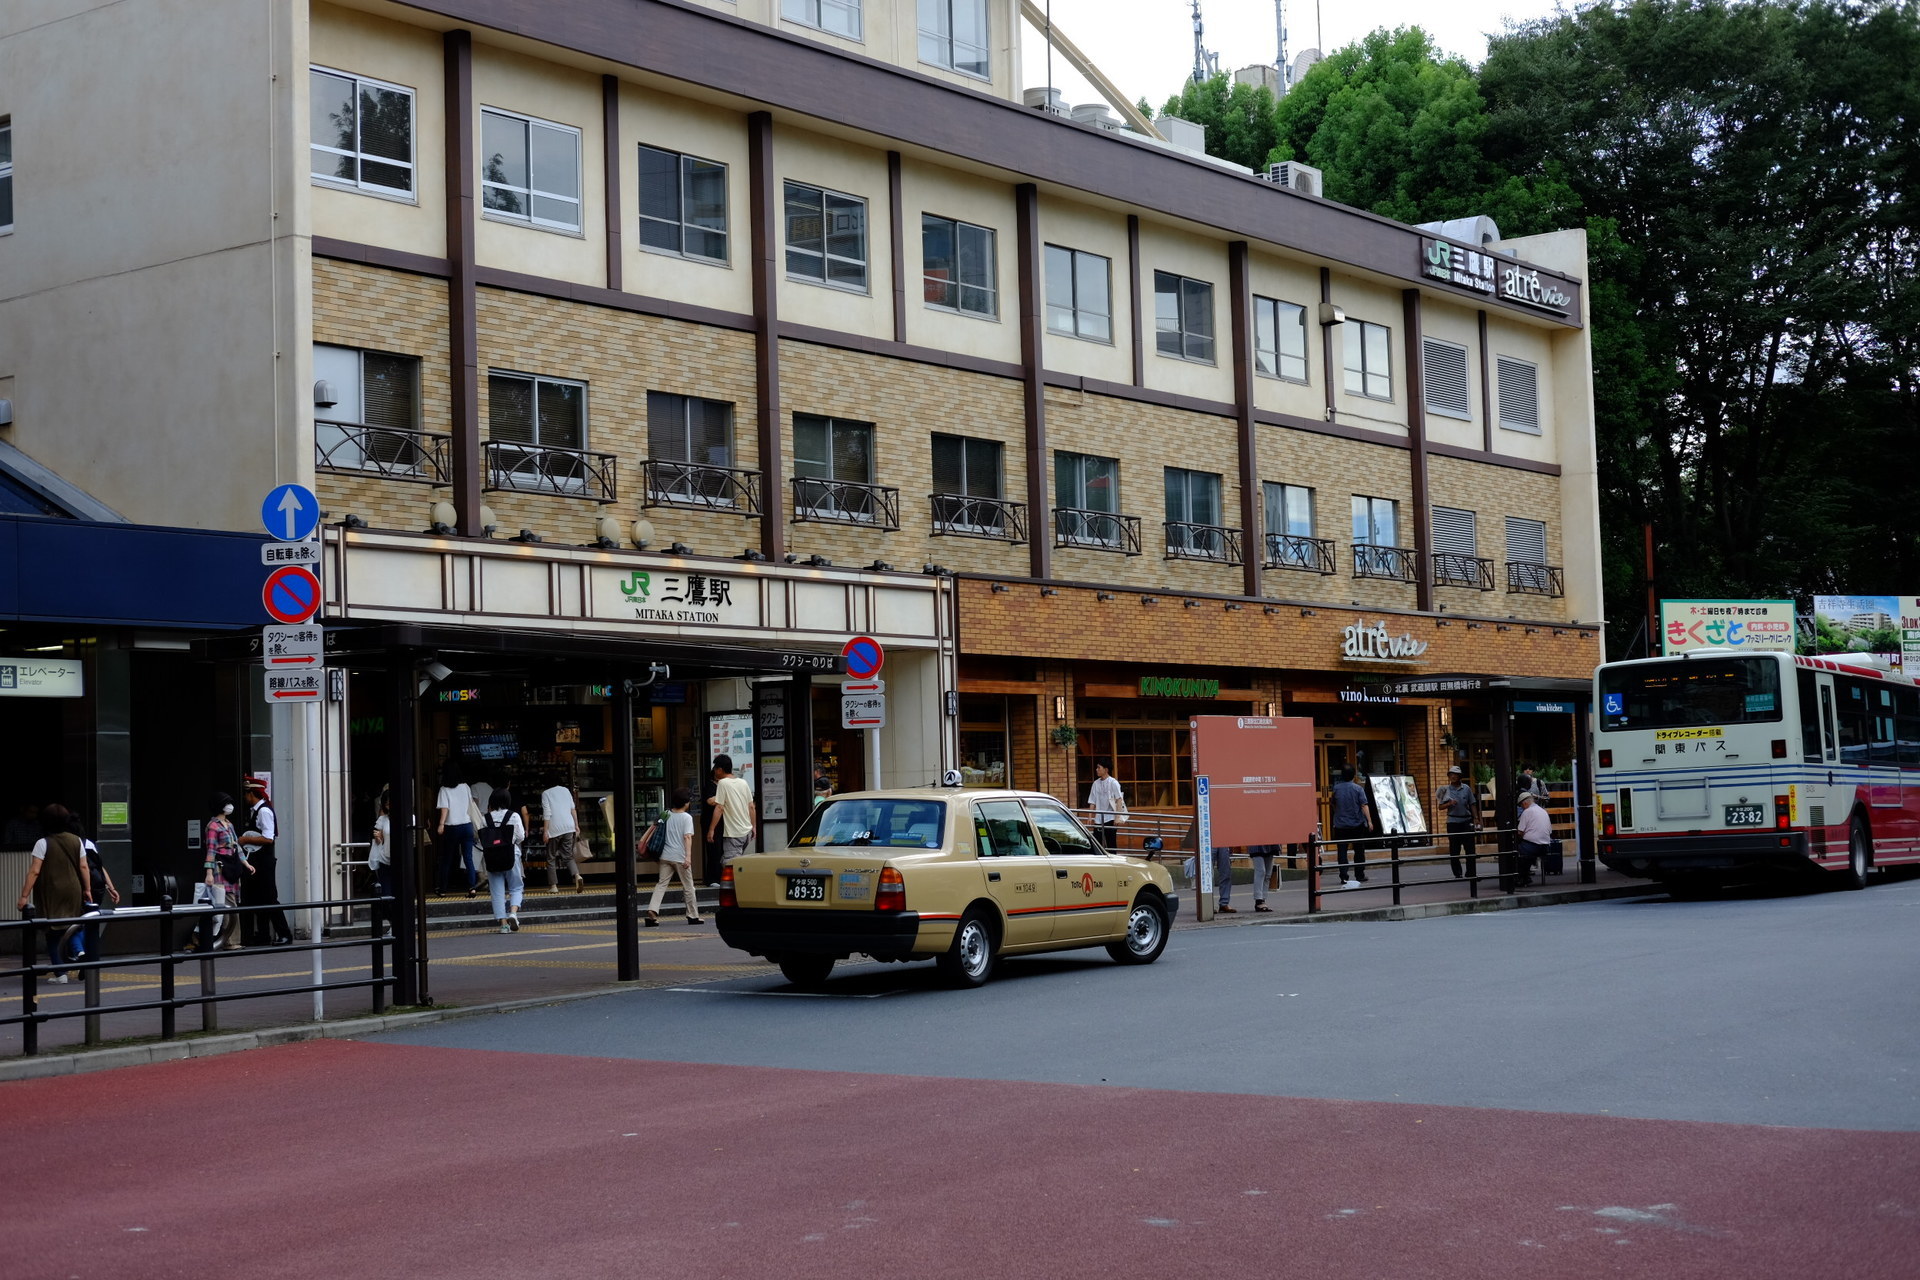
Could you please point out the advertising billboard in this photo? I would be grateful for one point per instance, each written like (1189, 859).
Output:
(1753, 625)
(1886, 628)
(1260, 777)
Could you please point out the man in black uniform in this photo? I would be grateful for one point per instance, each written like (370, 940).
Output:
(262, 888)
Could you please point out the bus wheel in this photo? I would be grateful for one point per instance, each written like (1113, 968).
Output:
(1859, 855)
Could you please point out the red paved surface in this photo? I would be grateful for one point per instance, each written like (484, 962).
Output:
(342, 1159)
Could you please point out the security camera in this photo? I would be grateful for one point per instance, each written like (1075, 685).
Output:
(436, 670)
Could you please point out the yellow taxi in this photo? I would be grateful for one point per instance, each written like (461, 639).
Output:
(959, 877)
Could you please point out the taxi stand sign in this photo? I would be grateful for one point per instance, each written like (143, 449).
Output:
(292, 686)
(863, 704)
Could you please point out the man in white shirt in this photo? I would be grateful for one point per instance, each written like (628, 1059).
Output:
(1536, 835)
(1107, 802)
(559, 813)
(735, 816)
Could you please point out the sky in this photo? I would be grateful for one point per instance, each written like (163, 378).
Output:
(1146, 46)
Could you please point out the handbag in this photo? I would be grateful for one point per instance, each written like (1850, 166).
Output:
(582, 851)
(1273, 878)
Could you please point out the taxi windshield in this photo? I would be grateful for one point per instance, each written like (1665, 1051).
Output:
(860, 822)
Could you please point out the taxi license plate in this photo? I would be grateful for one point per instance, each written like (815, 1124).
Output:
(806, 888)
(1746, 815)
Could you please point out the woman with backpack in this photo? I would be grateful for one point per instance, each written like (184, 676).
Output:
(500, 836)
(669, 841)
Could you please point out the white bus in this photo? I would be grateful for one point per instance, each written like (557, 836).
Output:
(1714, 763)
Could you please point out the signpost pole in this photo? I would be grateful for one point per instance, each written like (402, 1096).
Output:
(316, 851)
(1203, 840)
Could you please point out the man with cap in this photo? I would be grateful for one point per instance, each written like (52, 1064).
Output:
(262, 888)
(1456, 801)
(1536, 835)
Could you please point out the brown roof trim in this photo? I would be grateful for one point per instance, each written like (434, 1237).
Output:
(898, 350)
(1493, 459)
(763, 65)
(373, 255)
(1143, 395)
(569, 291)
(1365, 435)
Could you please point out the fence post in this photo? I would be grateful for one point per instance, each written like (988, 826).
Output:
(378, 937)
(29, 987)
(166, 966)
(92, 979)
(209, 985)
(1313, 873)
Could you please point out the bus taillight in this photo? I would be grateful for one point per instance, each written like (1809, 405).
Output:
(1606, 757)
(1779, 748)
(1607, 825)
(1781, 812)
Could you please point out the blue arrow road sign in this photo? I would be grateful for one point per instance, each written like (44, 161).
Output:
(290, 513)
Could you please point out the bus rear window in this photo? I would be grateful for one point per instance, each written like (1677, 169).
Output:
(1693, 691)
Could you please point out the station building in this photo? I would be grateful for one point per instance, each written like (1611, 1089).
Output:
(642, 351)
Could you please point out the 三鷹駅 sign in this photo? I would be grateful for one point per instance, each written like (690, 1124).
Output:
(678, 597)
(1755, 626)
(1492, 274)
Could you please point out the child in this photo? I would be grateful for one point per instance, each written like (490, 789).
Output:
(675, 858)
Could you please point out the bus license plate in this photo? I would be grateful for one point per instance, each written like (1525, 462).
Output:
(1746, 815)
(806, 888)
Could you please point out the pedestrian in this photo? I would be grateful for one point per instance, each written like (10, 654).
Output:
(1109, 807)
(455, 828)
(1352, 825)
(225, 865)
(501, 838)
(57, 878)
(560, 822)
(1456, 800)
(822, 788)
(1265, 879)
(102, 894)
(262, 888)
(1529, 785)
(675, 857)
(1223, 879)
(735, 817)
(1536, 835)
(380, 861)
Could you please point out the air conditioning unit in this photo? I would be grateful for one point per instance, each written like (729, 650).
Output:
(1295, 176)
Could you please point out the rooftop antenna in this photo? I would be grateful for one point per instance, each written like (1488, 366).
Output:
(1280, 30)
(1205, 65)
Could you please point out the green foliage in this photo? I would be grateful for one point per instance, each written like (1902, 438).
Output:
(1238, 117)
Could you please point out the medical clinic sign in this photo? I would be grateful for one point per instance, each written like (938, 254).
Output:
(1757, 626)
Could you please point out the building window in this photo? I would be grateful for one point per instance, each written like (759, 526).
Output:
(1183, 317)
(1519, 396)
(1079, 294)
(1369, 360)
(6, 175)
(689, 429)
(1280, 339)
(527, 410)
(1086, 491)
(370, 390)
(531, 170)
(1526, 541)
(1193, 513)
(829, 454)
(959, 266)
(1445, 374)
(826, 237)
(953, 34)
(836, 17)
(683, 204)
(967, 485)
(1375, 522)
(362, 132)
(1289, 509)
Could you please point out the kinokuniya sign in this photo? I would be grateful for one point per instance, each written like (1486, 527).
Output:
(1178, 687)
(1492, 274)
(1363, 643)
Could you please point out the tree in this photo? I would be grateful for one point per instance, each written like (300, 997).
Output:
(1238, 117)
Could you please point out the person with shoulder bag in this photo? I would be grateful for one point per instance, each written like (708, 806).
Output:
(262, 888)
(669, 842)
(57, 878)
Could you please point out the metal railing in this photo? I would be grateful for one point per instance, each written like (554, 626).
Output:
(395, 453)
(667, 483)
(174, 925)
(1096, 530)
(1296, 551)
(1527, 578)
(1454, 569)
(1395, 564)
(1000, 519)
(1187, 540)
(845, 502)
(1157, 837)
(539, 468)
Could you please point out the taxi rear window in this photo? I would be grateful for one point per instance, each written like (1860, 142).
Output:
(873, 823)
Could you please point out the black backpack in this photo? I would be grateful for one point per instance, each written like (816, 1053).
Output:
(496, 846)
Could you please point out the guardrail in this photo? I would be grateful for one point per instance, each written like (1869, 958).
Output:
(171, 921)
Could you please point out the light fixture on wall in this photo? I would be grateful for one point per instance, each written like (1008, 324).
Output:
(1049, 591)
(1269, 609)
(750, 554)
(1059, 706)
(1232, 608)
(1103, 595)
(820, 562)
(606, 533)
(352, 521)
(1189, 604)
(1000, 588)
(642, 533)
(1149, 599)
(1308, 613)
(527, 536)
(879, 566)
(679, 549)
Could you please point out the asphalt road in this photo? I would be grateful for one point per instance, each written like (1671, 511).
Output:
(1716, 1089)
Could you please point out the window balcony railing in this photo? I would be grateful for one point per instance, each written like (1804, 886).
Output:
(695, 484)
(1394, 564)
(845, 502)
(1189, 541)
(1454, 569)
(397, 453)
(539, 468)
(1296, 551)
(1527, 578)
(967, 517)
(1096, 530)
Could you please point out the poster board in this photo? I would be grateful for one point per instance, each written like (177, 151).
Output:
(1260, 773)
(730, 733)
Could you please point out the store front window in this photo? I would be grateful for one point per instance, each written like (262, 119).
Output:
(983, 742)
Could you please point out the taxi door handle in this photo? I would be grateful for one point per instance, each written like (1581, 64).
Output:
(1059, 874)
(993, 876)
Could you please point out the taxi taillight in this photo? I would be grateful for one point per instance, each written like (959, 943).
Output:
(1607, 824)
(727, 898)
(891, 893)
(1780, 812)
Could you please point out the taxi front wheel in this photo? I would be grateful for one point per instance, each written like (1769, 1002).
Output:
(969, 961)
(809, 973)
(1146, 933)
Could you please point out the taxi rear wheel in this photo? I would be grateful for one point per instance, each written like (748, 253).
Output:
(1146, 933)
(809, 973)
(969, 961)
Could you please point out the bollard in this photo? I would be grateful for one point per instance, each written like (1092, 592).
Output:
(209, 985)
(93, 1002)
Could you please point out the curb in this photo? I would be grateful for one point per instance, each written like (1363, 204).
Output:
(1430, 910)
